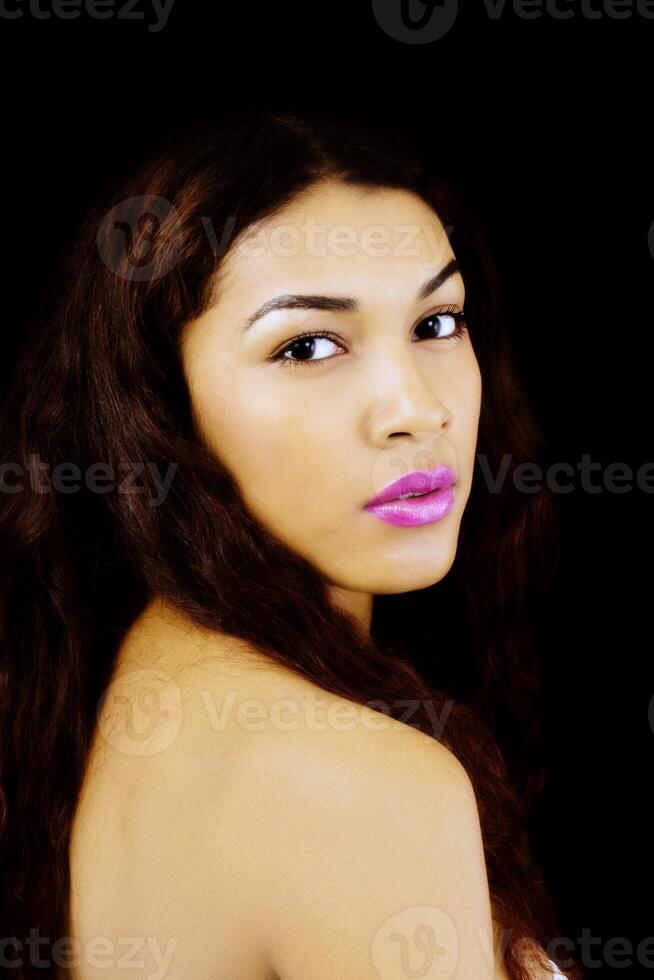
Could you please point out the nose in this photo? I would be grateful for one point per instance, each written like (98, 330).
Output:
(405, 402)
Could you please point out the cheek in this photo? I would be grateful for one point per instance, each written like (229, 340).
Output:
(473, 400)
(464, 401)
(292, 479)
(280, 454)
(467, 395)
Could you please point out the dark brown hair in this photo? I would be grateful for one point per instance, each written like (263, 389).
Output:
(101, 380)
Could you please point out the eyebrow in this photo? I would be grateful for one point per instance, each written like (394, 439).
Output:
(341, 304)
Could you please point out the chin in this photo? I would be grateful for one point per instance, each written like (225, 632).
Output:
(395, 585)
(408, 573)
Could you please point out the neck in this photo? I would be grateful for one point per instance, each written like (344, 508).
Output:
(357, 604)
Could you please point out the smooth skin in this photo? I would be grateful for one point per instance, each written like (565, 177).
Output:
(300, 850)
(309, 444)
(268, 840)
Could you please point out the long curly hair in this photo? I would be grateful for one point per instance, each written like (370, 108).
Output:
(100, 379)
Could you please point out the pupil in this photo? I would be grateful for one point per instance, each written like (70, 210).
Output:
(304, 346)
(434, 322)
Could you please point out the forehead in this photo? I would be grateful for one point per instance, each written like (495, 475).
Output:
(380, 238)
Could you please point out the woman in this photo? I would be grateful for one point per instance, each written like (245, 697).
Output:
(261, 347)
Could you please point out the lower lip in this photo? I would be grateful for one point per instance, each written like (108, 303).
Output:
(415, 510)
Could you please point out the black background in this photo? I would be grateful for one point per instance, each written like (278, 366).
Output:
(546, 124)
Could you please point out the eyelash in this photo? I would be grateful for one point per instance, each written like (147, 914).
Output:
(460, 330)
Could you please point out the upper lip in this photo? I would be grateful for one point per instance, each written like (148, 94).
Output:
(420, 481)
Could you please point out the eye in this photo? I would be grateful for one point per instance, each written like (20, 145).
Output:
(449, 326)
(304, 346)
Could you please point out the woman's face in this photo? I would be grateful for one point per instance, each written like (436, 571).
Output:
(311, 430)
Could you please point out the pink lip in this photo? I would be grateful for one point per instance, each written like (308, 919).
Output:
(435, 503)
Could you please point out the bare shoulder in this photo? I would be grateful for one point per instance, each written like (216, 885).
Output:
(199, 703)
(345, 842)
(284, 722)
(361, 842)
(156, 840)
(163, 636)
